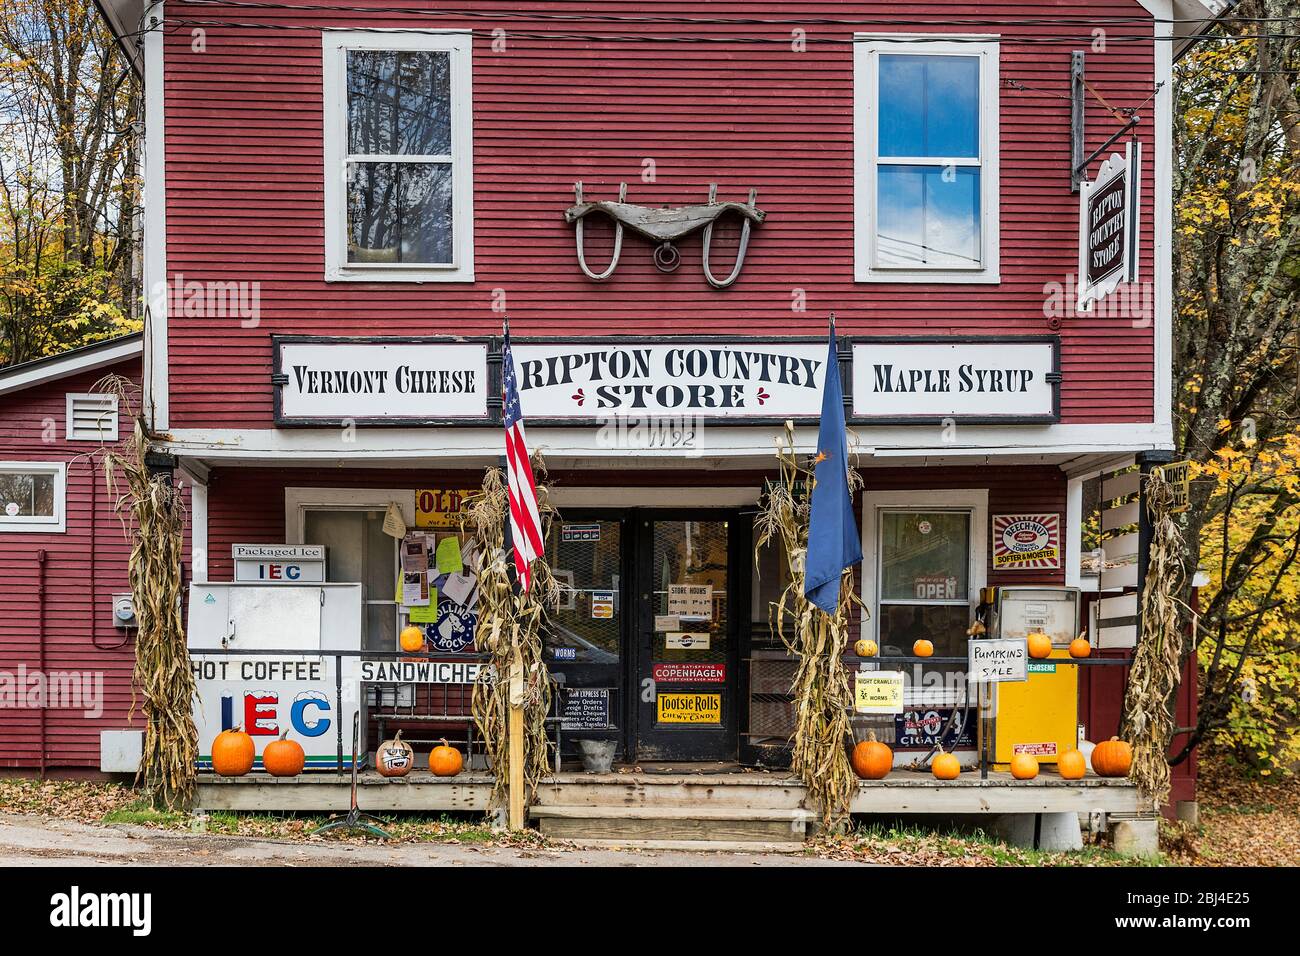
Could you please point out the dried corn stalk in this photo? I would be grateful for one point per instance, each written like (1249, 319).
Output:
(152, 511)
(823, 697)
(1148, 723)
(509, 629)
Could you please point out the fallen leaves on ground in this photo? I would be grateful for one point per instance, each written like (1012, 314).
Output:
(915, 846)
(1244, 822)
(81, 800)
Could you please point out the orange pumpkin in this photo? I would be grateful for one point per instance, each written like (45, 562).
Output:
(394, 758)
(923, 648)
(1040, 645)
(283, 757)
(1024, 766)
(1112, 758)
(1071, 765)
(865, 648)
(871, 759)
(945, 767)
(411, 638)
(445, 760)
(233, 753)
(1079, 647)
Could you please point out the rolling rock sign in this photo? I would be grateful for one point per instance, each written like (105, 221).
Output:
(1108, 226)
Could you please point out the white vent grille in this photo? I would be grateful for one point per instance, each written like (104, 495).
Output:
(92, 417)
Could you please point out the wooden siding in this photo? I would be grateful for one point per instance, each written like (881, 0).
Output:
(84, 566)
(245, 196)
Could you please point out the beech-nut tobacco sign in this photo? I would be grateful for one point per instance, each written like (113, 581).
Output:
(323, 381)
(1109, 213)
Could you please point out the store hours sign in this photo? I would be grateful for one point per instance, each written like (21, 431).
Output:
(337, 381)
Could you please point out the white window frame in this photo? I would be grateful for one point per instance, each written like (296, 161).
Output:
(39, 524)
(972, 501)
(867, 48)
(459, 44)
(105, 434)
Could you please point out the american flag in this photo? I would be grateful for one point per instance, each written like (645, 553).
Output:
(525, 523)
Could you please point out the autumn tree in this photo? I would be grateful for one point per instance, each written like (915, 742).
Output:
(1237, 255)
(68, 180)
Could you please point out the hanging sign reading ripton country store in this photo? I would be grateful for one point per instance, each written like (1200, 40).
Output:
(1108, 226)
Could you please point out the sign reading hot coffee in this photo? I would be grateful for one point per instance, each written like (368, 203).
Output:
(1108, 224)
(929, 380)
(767, 379)
(336, 381)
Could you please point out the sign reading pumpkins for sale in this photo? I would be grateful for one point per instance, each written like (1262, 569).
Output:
(1026, 541)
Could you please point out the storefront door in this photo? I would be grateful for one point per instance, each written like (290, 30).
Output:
(644, 643)
(685, 641)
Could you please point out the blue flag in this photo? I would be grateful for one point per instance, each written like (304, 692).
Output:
(833, 542)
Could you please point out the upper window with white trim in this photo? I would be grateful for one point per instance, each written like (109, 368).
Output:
(398, 156)
(926, 160)
(32, 495)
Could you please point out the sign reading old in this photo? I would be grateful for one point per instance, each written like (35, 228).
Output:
(379, 381)
(742, 379)
(962, 379)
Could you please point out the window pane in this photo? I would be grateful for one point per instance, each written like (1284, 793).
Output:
(27, 495)
(929, 105)
(399, 102)
(928, 216)
(925, 556)
(902, 625)
(399, 212)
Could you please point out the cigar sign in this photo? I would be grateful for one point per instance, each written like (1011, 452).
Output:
(584, 379)
(913, 380)
(1108, 226)
(321, 381)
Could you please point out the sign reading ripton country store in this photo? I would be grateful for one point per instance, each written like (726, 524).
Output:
(447, 381)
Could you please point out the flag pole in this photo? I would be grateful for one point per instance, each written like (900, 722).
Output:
(515, 789)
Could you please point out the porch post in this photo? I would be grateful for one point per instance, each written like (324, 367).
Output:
(515, 737)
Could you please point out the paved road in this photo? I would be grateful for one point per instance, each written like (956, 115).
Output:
(34, 841)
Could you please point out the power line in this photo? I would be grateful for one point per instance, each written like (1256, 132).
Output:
(966, 18)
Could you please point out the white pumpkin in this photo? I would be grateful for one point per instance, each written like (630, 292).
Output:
(394, 758)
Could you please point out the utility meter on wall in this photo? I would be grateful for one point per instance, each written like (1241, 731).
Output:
(123, 611)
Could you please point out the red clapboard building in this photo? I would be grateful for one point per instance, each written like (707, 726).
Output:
(66, 656)
(668, 201)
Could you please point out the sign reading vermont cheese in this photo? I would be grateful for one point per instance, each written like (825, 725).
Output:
(767, 379)
(334, 381)
(933, 380)
(690, 708)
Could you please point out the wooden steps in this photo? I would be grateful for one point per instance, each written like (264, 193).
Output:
(674, 812)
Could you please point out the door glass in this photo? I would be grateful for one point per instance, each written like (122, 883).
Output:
(359, 551)
(688, 657)
(586, 559)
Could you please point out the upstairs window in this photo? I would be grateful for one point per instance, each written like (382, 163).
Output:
(926, 156)
(398, 157)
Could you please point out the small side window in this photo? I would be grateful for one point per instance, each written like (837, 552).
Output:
(32, 496)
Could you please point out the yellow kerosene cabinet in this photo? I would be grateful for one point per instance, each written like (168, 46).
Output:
(1040, 715)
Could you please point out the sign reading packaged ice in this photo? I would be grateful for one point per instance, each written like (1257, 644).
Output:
(279, 563)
